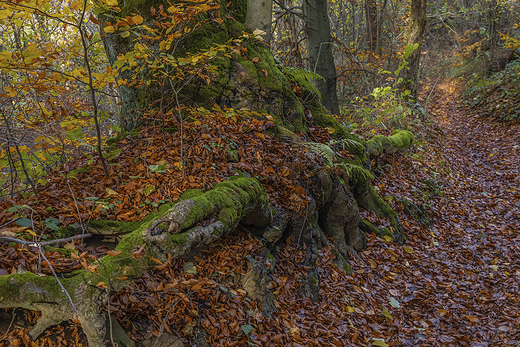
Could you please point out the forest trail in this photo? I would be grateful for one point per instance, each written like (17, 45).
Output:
(461, 278)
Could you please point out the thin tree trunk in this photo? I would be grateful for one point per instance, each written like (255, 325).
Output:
(415, 35)
(371, 26)
(319, 46)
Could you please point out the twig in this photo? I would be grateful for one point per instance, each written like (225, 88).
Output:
(14, 220)
(57, 279)
(9, 328)
(75, 204)
(46, 243)
(161, 328)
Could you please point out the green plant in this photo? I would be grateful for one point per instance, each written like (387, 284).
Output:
(390, 102)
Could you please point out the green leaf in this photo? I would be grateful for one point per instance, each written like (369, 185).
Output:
(247, 329)
(13, 209)
(52, 223)
(24, 222)
(379, 343)
(394, 303)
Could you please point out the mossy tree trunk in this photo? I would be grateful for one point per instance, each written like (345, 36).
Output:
(171, 235)
(414, 35)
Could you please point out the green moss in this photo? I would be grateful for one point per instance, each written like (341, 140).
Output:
(66, 252)
(386, 232)
(179, 239)
(368, 227)
(190, 194)
(341, 263)
(171, 130)
(379, 144)
(118, 227)
(232, 156)
(114, 140)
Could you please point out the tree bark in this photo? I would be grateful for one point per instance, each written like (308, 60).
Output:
(259, 16)
(371, 24)
(319, 46)
(414, 35)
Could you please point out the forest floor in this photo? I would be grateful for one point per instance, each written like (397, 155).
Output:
(456, 283)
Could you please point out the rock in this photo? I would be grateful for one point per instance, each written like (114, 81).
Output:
(118, 334)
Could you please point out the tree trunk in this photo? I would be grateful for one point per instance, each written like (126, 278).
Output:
(319, 46)
(414, 35)
(371, 24)
(259, 16)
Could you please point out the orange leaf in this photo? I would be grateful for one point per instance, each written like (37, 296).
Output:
(140, 252)
(156, 260)
(102, 285)
(255, 60)
(93, 19)
(299, 190)
(114, 253)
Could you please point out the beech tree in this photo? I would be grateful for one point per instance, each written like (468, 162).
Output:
(414, 36)
(319, 47)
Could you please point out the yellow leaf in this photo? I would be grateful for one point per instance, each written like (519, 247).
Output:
(260, 135)
(137, 19)
(386, 314)
(149, 189)
(442, 312)
(111, 191)
(351, 309)
(258, 32)
(178, 165)
(387, 238)
(379, 343)
(172, 9)
(109, 29)
(111, 2)
(125, 34)
(408, 250)
(330, 130)
(38, 139)
(69, 245)
(76, 5)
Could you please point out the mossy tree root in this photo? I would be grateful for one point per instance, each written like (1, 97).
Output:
(175, 233)
(400, 140)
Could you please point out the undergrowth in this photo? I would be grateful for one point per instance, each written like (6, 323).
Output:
(496, 97)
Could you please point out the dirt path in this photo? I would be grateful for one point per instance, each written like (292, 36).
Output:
(481, 227)
(459, 285)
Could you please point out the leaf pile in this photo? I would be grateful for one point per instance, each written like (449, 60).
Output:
(148, 171)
